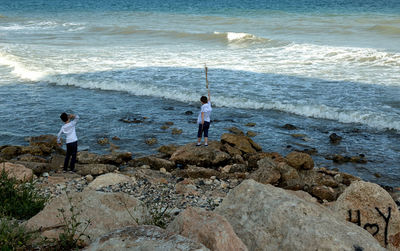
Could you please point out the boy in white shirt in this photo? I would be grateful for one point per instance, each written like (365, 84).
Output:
(204, 119)
(72, 141)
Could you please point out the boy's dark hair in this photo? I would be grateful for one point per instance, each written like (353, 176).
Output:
(204, 99)
(64, 117)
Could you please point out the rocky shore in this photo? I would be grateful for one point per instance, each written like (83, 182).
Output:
(228, 196)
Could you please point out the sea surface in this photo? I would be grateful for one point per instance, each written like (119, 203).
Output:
(323, 66)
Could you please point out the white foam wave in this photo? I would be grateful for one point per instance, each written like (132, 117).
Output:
(239, 37)
(19, 69)
(369, 118)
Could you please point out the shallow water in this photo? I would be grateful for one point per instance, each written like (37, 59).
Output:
(324, 66)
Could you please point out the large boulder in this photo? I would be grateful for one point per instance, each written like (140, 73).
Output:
(95, 169)
(241, 142)
(106, 211)
(300, 160)
(369, 206)
(208, 228)
(116, 158)
(154, 163)
(108, 179)
(144, 238)
(17, 171)
(267, 172)
(270, 218)
(210, 156)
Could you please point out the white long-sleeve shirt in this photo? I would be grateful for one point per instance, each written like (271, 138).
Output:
(206, 108)
(69, 130)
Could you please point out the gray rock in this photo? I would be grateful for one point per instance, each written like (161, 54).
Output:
(269, 218)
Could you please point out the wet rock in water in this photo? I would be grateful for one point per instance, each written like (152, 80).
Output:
(115, 138)
(337, 158)
(164, 127)
(243, 143)
(176, 131)
(10, 152)
(235, 130)
(106, 211)
(103, 141)
(188, 113)
(334, 138)
(300, 160)
(310, 151)
(151, 141)
(251, 134)
(168, 149)
(17, 171)
(371, 207)
(144, 238)
(289, 127)
(208, 228)
(286, 222)
(169, 123)
(170, 108)
(250, 124)
(131, 120)
(378, 175)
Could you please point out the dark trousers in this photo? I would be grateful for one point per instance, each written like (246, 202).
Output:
(203, 128)
(72, 149)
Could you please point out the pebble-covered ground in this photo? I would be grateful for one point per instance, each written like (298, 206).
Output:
(159, 191)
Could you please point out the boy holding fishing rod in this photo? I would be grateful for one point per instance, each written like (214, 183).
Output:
(203, 120)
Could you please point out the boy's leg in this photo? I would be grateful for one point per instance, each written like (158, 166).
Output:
(67, 156)
(199, 133)
(205, 129)
(74, 151)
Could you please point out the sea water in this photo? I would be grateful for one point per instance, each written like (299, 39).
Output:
(323, 66)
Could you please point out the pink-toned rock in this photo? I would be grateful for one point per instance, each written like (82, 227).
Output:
(369, 206)
(300, 160)
(208, 228)
(16, 171)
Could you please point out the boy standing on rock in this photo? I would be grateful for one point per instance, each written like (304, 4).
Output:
(203, 119)
(72, 141)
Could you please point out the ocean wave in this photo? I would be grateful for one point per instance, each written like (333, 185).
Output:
(385, 29)
(369, 118)
(19, 69)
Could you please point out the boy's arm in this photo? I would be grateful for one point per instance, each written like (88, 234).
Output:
(202, 118)
(209, 97)
(75, 118)
(59, 137)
